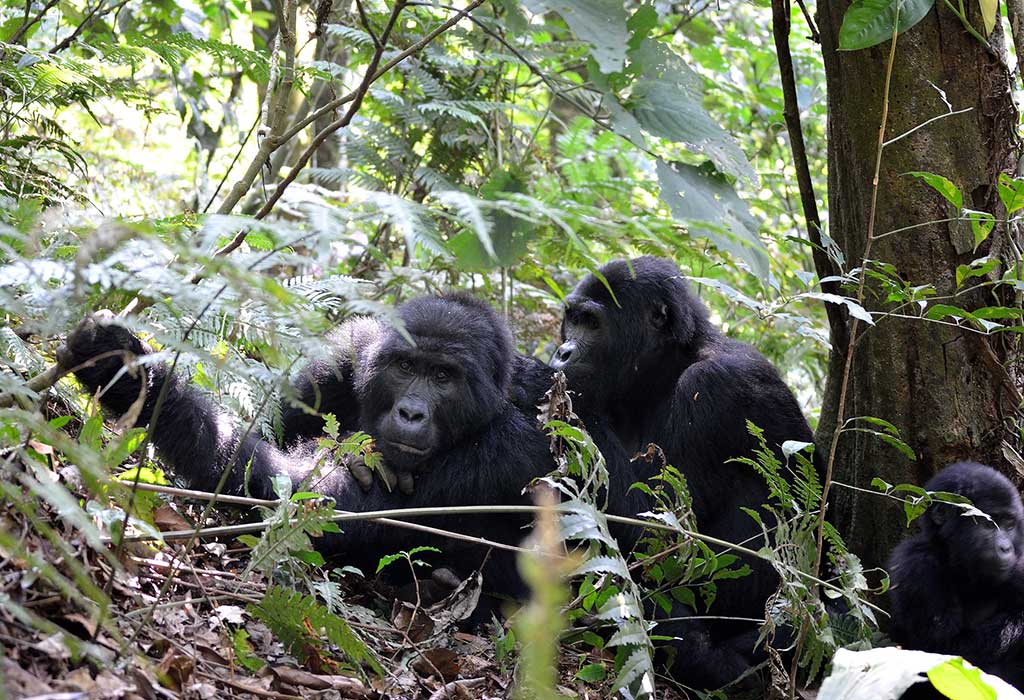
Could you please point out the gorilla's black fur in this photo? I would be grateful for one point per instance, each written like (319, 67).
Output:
(958, 584)
(638, 347)
(442, 405)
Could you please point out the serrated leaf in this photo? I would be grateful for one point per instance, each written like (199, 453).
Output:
(870, 22)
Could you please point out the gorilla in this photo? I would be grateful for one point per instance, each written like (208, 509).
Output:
(958, 584)
(638, 348)
(441, 404)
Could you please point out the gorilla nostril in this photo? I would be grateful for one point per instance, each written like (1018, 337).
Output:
(410, 415)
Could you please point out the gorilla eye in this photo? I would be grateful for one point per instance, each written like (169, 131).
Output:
(442, 375)
(405, 366)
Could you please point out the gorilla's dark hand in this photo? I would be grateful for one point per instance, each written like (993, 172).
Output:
(363, 474)
(96, 351)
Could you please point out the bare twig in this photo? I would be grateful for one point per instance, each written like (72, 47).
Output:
(791, 112)
(20, 32)
(86, 23)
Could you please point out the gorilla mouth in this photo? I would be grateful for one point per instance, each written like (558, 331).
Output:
(409, 449)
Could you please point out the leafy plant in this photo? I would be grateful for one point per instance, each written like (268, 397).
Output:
(305, 628)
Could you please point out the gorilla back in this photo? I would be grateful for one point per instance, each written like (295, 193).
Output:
(440, 403)
(638, 346)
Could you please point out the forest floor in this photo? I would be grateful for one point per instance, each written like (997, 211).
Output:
(197, 621)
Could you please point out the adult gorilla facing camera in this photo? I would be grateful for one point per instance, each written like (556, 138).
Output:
(440, 405)
(638, 348)
(958, 584)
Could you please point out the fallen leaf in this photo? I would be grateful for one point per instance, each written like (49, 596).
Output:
(440, 662)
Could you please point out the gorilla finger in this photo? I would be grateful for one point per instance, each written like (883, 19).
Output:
(406, 483)
(444, 576)
(362, 473)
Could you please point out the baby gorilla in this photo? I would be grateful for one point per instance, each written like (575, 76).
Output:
(441, 403)
(958, 585)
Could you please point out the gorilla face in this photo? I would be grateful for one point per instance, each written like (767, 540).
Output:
(411, 391)
(444, 379)
(986, 549)
(627, 329)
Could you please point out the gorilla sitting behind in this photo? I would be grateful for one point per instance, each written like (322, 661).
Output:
(958, 584)
(442, 405)
(638, 347)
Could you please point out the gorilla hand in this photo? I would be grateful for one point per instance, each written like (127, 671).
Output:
(362, 470)
(97, 351)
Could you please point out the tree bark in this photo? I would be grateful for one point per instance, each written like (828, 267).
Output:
(942, 386)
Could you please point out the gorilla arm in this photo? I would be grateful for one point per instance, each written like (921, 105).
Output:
(195, 436)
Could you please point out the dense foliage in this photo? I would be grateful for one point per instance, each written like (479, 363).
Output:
(232, 179)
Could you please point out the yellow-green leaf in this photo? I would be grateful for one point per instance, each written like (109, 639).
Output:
(989, 12)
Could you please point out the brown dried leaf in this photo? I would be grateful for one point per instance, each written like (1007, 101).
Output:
(439, 661)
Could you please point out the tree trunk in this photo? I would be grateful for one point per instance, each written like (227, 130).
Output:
(944, 387)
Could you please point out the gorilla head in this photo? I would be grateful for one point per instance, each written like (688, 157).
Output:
(985, 550)
(632, 325)
(447, 377)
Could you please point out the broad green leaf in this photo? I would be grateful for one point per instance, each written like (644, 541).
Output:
(982, 224)
(870, 22)
(989, 12)
(943, 186)
(977, 268)
(600, 23)
(954, 680)
(712, 206)
(855, 309)
(507, 235)
(668, 102)
(592, 673)
(1011, 193)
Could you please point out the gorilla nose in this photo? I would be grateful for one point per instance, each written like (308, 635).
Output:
(412, 414)
(562, 354)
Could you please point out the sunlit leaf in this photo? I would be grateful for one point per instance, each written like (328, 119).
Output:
(870, 22)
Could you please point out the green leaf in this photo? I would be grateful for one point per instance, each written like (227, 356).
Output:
(870, 22)
(600, 23)
(989, 12)
(977, 268)
(712, 206)
(1011, 193)
(313, 558)
(331, 426)
(982, 224)
(592, 673)
(954, 680)
(668, 102)
(855, 309)
(943, 186)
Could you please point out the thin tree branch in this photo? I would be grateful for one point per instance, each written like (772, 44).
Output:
(791, 112)
(869, 239)
(17, 36)
(317, 141)
(86, 23)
